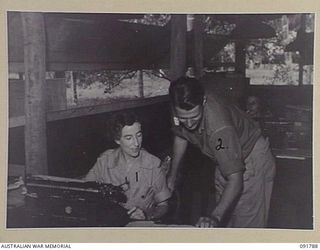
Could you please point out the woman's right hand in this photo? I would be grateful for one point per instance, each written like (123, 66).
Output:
(136, 214)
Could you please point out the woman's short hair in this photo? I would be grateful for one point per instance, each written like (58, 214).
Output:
(186, 93)
(120, 120)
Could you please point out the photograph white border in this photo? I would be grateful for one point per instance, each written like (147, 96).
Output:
(108, 235)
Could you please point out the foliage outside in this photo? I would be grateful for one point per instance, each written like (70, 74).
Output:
(267, 63)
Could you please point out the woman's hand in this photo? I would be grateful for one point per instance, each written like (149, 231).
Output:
(136, 214)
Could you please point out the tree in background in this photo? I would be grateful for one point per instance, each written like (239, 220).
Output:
(266, 53)
(260, 53)
(112, 78)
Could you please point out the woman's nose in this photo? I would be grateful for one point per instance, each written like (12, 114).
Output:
(135, 141)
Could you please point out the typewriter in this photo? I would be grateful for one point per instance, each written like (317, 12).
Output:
(65, 202)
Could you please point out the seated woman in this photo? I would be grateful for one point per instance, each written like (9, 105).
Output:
(131, 166)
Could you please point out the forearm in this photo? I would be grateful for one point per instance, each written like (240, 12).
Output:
(175, 165)
(231, 193)
(179, 148)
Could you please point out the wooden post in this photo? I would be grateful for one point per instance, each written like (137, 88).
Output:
(35, 72)
(74, 82)
(20, 76)
(301, 52)
(140, 83)
(198, 46)
(178, 46)
(240, 58)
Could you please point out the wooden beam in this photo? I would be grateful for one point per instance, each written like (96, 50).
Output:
(35, 107)
(19, 121)
(301, 59)
(241, 57)
(198, 46)
(140, 83)
(15, 67)
(178, 46)
(74, 82)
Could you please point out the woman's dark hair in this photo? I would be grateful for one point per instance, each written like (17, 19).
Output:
(120, 120)
(186, 93)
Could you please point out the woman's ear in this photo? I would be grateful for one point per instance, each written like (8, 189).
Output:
(117, 141)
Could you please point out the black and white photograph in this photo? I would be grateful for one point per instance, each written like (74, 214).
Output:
(160, 120)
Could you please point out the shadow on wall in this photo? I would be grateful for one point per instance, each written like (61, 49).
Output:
(74, 144)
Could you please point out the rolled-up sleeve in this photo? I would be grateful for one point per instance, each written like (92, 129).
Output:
(162, 192)
(227, 150)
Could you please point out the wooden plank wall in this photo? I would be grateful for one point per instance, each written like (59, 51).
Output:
(75, 143)
(55, 96)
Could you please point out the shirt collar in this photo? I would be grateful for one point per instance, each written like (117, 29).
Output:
(132, 163)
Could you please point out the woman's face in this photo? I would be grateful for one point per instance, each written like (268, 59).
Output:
(131, 140)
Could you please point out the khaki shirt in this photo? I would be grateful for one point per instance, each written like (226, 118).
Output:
(225, 134)
(142, 174)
